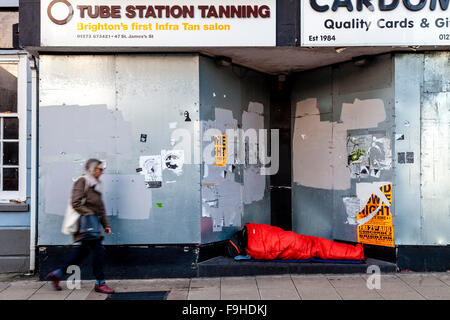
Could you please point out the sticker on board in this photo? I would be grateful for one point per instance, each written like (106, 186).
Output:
(152, 170)
(374, 221)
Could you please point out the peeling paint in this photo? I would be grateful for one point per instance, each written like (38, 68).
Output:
(321, 160)
(254, 182)
(352, 207)
(222, 197)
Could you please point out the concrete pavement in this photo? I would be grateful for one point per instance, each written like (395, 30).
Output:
(394, 286)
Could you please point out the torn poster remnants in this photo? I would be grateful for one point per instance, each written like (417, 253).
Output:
(352, 207)
(368, 155)
(152, 170)
(173, 160)
(324, 142)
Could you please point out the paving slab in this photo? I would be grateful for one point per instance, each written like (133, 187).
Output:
(169, 283)
(239, 288)
(20, 290)
(391, 282)
(86, 287)
(81, 294)
(204, 289)
(353, 287)
(393, 288)
(4, 285)
(277, 288)
(389, 294)
(178, 294)
(444, 277)
(47, 292)
(96, 296)
(435, 293)
(315, 288)
(129, 285)
(274, 281)
(347, 281)
(420, 279)
(348, 293)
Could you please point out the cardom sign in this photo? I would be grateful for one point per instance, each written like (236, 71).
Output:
(147, 23)
(375, 22)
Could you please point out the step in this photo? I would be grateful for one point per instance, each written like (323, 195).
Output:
(227, 267)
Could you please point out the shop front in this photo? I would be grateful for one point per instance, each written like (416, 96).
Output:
(208, 117)
(16, 144)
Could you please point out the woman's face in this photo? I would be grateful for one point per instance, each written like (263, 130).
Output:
(98, 171)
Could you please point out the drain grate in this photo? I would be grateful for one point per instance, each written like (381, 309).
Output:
(145, 295)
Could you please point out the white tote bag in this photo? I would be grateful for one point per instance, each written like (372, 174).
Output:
(71, 220)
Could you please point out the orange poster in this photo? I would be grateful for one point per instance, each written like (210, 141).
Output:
(379, 230)
(220, 150)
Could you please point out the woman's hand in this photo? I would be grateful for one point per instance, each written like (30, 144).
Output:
(108, 230)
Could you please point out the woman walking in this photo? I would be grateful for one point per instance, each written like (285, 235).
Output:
(87, 201)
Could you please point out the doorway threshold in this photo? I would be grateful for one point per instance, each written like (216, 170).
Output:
(228, 267)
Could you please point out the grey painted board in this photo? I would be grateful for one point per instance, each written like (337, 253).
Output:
(330, 106)
(312, 211)
(311, 207)
(408, 83)
(422, 122)
(234, 194)
(435, 152)
(103, 113)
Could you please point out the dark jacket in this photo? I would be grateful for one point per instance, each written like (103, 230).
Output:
(92, 206)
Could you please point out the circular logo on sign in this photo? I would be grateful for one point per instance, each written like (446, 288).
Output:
(63, 21)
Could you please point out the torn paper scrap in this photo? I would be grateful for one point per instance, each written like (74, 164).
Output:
(173, 160)
(152, 170)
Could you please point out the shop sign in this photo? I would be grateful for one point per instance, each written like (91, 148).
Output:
(161, 23)
(334, 23)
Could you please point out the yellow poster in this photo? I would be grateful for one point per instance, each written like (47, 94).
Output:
(220, 150)
(379, 229)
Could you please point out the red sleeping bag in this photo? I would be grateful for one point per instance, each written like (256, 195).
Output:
(269, 243)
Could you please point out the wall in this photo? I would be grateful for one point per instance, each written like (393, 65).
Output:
(120, 108)
(7, 20)
(15, 217)
(422, 125)
(335, 110)
(232, 98)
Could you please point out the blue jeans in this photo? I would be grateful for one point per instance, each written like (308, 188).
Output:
(98, 257)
